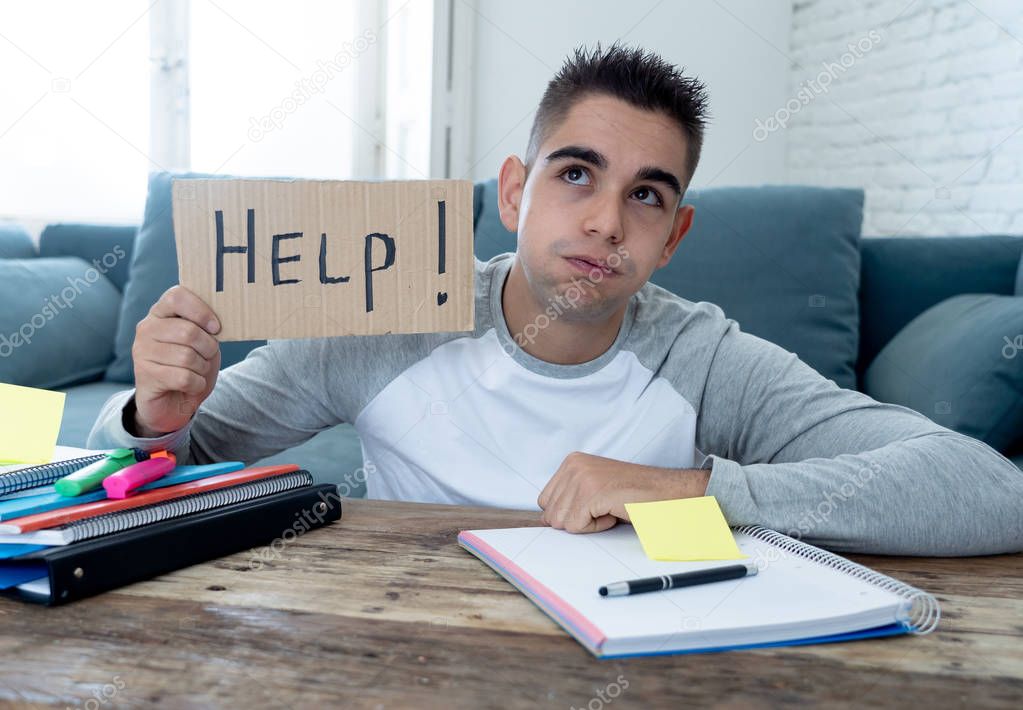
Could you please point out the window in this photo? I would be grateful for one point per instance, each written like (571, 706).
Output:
(74, 119)
(97, 98)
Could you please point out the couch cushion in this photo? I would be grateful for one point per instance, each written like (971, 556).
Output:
(901, 277)
(107, 247)
(154, 269)
(15, 242)
(782, 261)
(81, 407)
(57, 322)
(961, 364)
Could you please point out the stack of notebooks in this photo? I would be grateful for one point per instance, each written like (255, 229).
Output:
(56, 549)
(800, 595)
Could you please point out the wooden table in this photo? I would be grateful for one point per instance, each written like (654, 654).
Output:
(385, 610)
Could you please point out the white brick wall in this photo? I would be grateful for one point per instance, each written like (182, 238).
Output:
(924, 111)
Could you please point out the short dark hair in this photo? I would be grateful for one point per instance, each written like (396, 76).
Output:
(634, 75)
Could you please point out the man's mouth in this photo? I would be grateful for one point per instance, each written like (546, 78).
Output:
(588, 264)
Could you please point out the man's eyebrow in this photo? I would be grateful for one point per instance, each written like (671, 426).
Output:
(596, 158)
(587, 155)
(656, 174)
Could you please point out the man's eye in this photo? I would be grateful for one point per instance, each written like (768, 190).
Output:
(573, 174)
(644, 194)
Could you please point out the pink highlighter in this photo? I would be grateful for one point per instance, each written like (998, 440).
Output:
(126, 481)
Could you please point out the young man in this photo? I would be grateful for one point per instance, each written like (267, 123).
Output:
(583, 387)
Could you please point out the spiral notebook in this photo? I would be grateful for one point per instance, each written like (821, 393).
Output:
(40, 500)
(175, 508)
(66, 459)
(143, 497)
(801, 594)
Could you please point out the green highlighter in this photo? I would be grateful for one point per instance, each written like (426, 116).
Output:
(91, 477)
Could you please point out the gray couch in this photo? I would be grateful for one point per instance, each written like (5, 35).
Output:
(787, 263)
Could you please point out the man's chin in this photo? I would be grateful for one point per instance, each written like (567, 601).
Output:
(584, 304)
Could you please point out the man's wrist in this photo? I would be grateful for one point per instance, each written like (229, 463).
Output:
(132, 425)
(673, 483)
(694, 482)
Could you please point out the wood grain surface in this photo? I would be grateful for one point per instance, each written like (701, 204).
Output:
(384, 609)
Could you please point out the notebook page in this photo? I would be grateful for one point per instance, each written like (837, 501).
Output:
(791, 597)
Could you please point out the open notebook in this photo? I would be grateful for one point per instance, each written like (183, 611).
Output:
(802, 594)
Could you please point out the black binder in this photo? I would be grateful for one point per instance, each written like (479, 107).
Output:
(90, 567)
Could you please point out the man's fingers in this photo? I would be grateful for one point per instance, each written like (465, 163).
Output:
(577, 516)
(558, 504)
(604, 522)
(178, 331)
(179, 302)
(174, 355)
(547, 494)
(173, 379)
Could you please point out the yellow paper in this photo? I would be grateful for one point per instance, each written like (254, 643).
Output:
(29, 423)
(684, 530)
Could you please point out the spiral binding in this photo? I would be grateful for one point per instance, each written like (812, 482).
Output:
(19, 480)
(922, 613)
(208, 500)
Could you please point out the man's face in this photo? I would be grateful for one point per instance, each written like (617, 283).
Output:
(598, 212)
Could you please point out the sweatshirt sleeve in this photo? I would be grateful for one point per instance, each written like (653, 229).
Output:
(792, 451)
(257, 408)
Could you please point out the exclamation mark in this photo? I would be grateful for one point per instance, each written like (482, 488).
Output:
(442, 296)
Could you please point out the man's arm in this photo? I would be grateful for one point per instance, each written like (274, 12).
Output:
(267, 403)
(794, 452)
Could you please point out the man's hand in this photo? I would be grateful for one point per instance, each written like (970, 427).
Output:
(588, 493)
(177, 360)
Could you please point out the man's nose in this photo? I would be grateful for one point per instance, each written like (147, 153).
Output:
(604, 217)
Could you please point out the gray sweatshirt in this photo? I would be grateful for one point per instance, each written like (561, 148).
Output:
(472, 418)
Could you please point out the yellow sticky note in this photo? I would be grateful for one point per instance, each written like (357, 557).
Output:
(29, 423)
(684, 530)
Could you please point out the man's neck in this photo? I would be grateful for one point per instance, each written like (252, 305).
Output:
(562, 341)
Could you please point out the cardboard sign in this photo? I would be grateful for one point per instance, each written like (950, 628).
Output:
(312, 258)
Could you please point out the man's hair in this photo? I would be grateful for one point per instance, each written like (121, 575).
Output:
(636, 76)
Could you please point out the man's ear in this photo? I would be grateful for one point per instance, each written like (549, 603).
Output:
(683, 221)
(510, 183)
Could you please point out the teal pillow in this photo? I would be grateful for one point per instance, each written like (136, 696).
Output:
(58, 321)
(15, 242)
(1019, 278)
(154, 269)
(109, 246)
(960, 363)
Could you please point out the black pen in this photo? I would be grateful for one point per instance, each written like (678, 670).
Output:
(684, 579)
